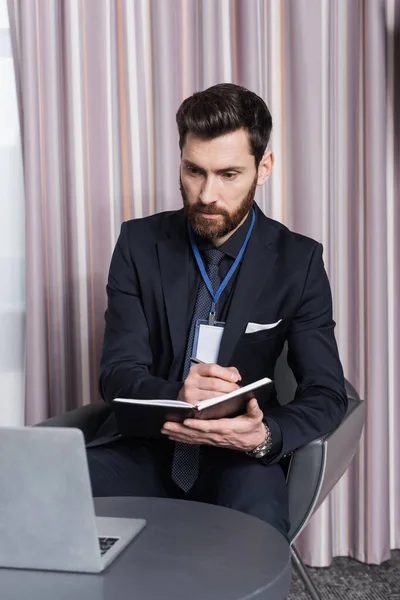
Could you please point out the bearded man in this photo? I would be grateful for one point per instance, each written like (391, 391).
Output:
(219, 262)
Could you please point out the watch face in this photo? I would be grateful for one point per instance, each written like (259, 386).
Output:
(262, 453)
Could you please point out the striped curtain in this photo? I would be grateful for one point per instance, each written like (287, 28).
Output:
(99, 83)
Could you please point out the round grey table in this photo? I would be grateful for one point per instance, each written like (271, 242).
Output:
(187, 551)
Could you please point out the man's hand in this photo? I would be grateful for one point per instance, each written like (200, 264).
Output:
(239, 433)
(208, 381)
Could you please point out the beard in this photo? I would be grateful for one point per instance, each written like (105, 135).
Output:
(209, 229)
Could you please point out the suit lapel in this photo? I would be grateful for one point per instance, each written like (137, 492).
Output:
(173, 255)
(256, 270)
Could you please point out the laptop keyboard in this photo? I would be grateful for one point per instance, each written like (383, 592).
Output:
(106, 543)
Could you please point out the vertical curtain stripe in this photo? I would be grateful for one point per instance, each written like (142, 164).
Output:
(110, 128)
(361, 508)
(341, 178)
(184, 28)
(340, 493)
(79, 193)
(118, 194)
(56, 205)
(88, 190)
(276, 103)
(377, 325)
(44, 211)
(265, 91)
(226, 48)
(261, 51)
(326, 514)
(390, 188)
(123, 112)
(325, 130)
(396, 270)
(234, 46)
(208, 31)
(135, 140)
(341, 490)
(367, 430)
(147, 46)
(283, 213)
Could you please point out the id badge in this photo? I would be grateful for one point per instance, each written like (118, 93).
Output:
(207, 340)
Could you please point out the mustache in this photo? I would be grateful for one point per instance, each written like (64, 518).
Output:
(209, 209)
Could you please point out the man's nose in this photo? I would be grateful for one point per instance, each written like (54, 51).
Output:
(209, 192)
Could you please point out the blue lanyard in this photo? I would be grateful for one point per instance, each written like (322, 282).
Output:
(216, 296)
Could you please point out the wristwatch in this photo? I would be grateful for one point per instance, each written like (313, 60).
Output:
(262, 449)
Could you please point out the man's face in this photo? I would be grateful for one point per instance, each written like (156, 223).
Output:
(218, 180)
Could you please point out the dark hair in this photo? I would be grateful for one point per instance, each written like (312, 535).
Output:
(222, 109)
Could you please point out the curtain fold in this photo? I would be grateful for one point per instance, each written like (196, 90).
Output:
(99, 82)
(12, 244)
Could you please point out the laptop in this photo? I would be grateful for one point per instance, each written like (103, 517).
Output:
(47, 517)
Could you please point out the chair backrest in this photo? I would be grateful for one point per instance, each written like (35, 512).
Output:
(316, 468)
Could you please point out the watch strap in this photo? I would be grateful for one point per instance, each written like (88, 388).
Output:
(263, 448)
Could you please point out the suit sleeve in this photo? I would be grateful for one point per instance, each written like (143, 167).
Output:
(127, 357)
(320, 401)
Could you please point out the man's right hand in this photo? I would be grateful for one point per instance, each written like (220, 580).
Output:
(208, 381)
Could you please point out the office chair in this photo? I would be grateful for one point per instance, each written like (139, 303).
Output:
(313, 470)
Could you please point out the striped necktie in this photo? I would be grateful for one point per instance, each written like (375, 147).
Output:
(185, 463)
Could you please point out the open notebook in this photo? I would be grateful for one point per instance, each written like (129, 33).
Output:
(145, 418)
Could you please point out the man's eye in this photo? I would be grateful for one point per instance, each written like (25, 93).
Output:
(193, 170)
(229, 175)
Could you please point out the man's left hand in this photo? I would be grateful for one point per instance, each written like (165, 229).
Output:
(239, 433)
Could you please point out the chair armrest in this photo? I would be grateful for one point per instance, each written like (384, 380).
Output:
(87, 418)
(341, 446)
(316, 467)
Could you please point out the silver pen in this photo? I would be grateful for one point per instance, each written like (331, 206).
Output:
(197, 361)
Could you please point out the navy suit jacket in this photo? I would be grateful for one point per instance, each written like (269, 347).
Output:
(282, 277)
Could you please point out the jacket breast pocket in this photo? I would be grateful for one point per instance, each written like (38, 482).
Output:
(262, 334)
(255, 353)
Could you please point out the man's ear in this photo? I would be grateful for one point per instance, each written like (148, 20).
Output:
(265, 167)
